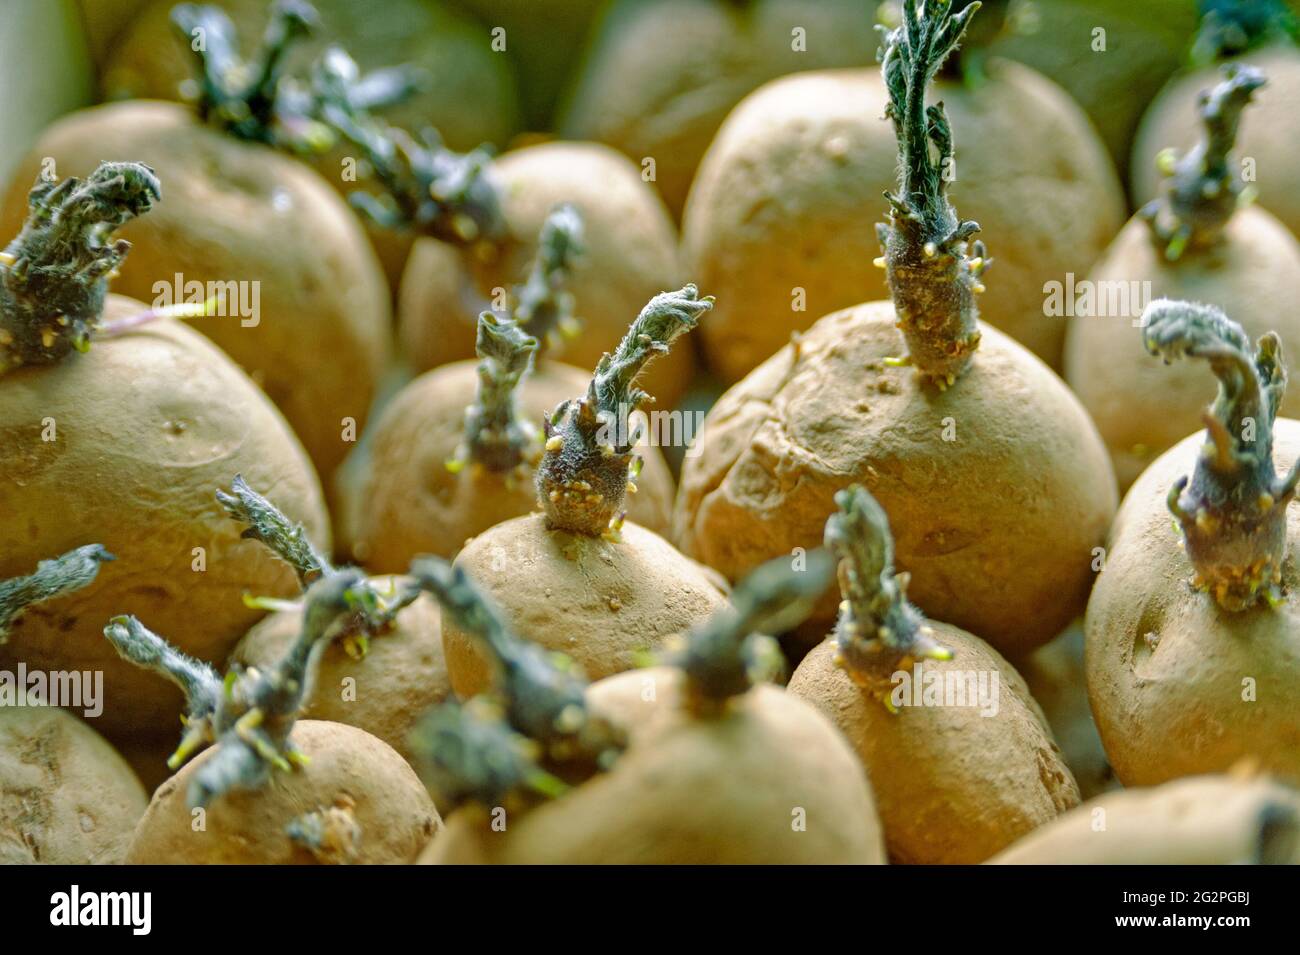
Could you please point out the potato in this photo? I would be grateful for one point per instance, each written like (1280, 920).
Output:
(238, 212)
(631, 255)
(768, 781)
(1204, 820)
(144, 428)
(780, 223)
(385, 808)
(1178, 685)
(601, 602)
(67, 797)
(683, 91)
(469, 96)
(1254, 272)
(1268, 134)
(402, 674)
(953, 785)
(996, 526)
(407, 502)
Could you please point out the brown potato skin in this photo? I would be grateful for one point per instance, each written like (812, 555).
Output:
(693, 791)
(631, 255)
(148, 427)
(407, 503)
(953, 787)
(996, 527)
(401, 676)
(1253, 274)
(1202, 820)
(247, 827)
(66, 797)
(1178, 709)
(789, 194)
(1269, 131)
(601, 603)
(323, 335)
(683, 91)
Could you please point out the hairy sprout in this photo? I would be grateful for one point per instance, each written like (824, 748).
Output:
(588, 462)
(331, 833)
(542, 308)
(54, 275)
(52, 578)
(931, 277)
(267, 524)
(542, 693)
(428, 189)
(1202, 188)
(471, 754)
(250, 714)
(878, 630)
(727, 655)
(1232, 508)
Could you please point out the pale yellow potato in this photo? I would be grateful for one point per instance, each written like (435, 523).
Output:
(603, 603)
(1178, 685)
(237, 212)
(781, 221)
(66, 797)
(347, 767)
(954, 784)
(769, 781)
(146, 428)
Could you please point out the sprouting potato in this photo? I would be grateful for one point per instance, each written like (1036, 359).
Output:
(959, 777)
(123, 444)
(998, 484)
(1201, 242)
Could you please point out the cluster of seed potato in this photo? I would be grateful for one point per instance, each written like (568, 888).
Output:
(688, 432)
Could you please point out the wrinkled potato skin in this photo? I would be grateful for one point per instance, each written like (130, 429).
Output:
(997, 527)
(1204, 820)
(408, 503)
(683, 91)
(66, 798)
(148, 427)
(694, 790)
(323, 334)
(1254, 274)
(1179, 708)
(247, 827)
(402, 675)
(631, 255)
(599, 602)
(1269, 130)
(789, 194)
(953, 787)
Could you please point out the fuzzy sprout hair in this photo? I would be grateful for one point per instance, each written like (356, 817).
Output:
(427, 188)
(249, 714)
(588, 465)
(932, 268)
(496, 438)
(53, 578)
(1202, 189)
(1231, 510)
(878, 631)
(376, 609)
(54, 275)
